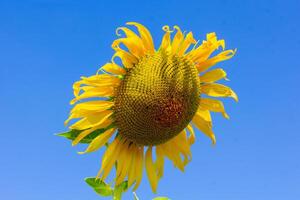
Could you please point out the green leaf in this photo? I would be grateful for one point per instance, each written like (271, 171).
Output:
(161, 198)
(119, 189)
(73, 133)
(99, 186)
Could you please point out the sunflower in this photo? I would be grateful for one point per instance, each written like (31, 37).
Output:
(146, 102)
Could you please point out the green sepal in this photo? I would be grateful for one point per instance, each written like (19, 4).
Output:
(161, 198)
(99, 186)
(73, 133)
(119, 189)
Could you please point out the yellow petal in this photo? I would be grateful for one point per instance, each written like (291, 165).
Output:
(166, 41)
(159, 164)
(124, 161)
(96, 119)
(92, 105)
(213, 105)
(135, 48)
(109, 158)
(152, 176)
(127, 59)
(95, 92)
(192, 137)
(225, 55)
(205, 114)
(173, 155)
(88, 108)
(113, 69)
(189, 39)
(202, 52)
(139, 166)
(181, 143)
(178, 39)
(218, 90)
(100, 81)
(145, 35)
(131, 173)
(205, 127)
(127, 31)
(82, 135)
(213, 75)
(99, 141)
(134, 39)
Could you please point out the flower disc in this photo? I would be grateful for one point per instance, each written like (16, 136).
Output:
(157, 98)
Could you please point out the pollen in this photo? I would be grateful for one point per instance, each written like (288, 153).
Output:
(157, 98)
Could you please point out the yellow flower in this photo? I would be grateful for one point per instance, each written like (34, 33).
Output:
(150, 101)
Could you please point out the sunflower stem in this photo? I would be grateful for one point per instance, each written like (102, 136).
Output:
(135, 196)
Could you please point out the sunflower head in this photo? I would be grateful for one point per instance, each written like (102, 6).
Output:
(157, 98)
(150, 101)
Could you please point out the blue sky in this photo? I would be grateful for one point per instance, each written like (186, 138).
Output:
(47, 45)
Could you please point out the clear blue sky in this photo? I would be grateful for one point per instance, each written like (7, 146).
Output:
(46, 45)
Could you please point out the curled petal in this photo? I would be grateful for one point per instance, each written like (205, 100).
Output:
(135, 48)
(145, 35)
(166, 41)
(128, 60)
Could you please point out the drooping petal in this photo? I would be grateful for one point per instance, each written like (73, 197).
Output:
(123, 162)
(159, 163)
(109, 158)
(145, 35)
(192, 137)
(139, 166)
(218, 90)
(213, 105)
(204, 126)
(173, 154)
(99, 141)
(151, 172)
(213, 76)
(131, 173)
(181, 143)
(204, 114)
